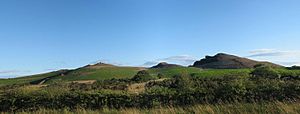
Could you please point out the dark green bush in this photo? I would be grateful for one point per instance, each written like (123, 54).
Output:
(265, 72)
(143, 76)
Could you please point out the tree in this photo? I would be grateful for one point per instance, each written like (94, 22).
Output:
(266, 72)
(294, 68)
(143, 76)
(183, 82)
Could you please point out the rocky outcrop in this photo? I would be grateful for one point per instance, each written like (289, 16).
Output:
(226, 61)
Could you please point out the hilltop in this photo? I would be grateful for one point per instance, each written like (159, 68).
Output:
(227, 61)
(104, 71)
(165, 65)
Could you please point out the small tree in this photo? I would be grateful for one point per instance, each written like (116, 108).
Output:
(143, 76)
(266, 72)
(183, 82)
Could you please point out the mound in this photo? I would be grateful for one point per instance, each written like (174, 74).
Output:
(166, 65)
(226, 61)
(98, 65)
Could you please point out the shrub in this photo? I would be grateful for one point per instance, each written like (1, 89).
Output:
(143, 76)
(266, 72)
(294, 68)
(183, 82)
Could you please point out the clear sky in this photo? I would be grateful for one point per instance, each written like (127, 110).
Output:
(44, 35)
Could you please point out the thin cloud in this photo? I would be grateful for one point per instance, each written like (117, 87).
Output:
(262, 50)
(9, 71)
(272, 52)
(286, 57)
(50, 69)
(12, 73)
(268, 54)
(150, 63)
(180, 58)
(290, 63)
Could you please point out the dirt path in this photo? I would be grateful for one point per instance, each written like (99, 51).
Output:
(85, 81)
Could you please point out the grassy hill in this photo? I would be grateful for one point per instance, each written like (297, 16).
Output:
(97, 86)
(89, 72)
(27, 79)
(103, 72)
(185, 89)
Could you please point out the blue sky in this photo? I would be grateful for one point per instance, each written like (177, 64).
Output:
(43, 35)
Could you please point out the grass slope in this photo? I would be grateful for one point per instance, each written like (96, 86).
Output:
(27, 79)
(109, 72)
(169, 72)
(102, 73)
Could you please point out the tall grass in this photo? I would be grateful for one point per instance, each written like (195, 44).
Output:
(233, 108)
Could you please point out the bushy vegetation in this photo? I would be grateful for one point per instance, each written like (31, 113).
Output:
(143, 76)
(266, 72)
(187, 88)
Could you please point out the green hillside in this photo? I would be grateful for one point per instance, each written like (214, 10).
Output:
(97, 74)
(103, 71)
(170, 72)
(90, 72)
(28, 79)
(110, 72)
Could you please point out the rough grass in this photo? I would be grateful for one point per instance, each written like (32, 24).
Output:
(235, 108)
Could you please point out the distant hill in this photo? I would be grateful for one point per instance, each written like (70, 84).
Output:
(98, 65)
(99, 71)
(226, 61)
(103, 71)
(165, 65)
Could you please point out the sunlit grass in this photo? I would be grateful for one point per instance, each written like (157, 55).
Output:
(234, 108)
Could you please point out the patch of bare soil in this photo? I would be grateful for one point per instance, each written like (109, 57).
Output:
(140, 87)
(85, 81)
